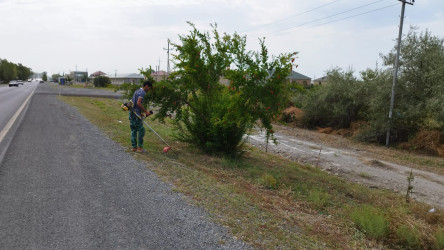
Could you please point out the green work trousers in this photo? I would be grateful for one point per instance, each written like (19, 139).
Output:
(137, 131)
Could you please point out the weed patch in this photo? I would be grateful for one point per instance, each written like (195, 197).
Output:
(318, 198)
(439, 237)
(370, 221)
(269, 181)
(408, 236)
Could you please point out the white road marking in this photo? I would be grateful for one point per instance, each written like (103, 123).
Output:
(11, 122)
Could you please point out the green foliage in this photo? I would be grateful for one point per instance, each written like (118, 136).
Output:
(11, 71)
(44, 77)
(370, 220)
(419, 91)
(318, 198)
(101, 81)
(55, 77)
(408, 236)
(337, 104)
(418, 97)
(439, 237)
(212, 116)
(8, 71)
(23, 73)
(296, 95)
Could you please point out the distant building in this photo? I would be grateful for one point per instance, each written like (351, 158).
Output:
(320, 81)
(299, 78)
(97, 73)
(126, 78)
(294, 77)
(79, 76)
(160, 75)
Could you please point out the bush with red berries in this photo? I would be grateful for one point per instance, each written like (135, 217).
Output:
(216, 116)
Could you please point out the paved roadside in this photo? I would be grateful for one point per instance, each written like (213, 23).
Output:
(65, 185)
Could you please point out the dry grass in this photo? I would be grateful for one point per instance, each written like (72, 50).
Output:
(305, 208)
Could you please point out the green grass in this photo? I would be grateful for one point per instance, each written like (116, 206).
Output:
(370, 221)
(439, 235)
(409, 237)
(266, 200)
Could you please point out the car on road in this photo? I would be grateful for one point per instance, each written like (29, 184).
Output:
(13, 83)
(20, 82)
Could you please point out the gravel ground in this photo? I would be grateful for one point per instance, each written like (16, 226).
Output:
(352, 164)
(65, 185)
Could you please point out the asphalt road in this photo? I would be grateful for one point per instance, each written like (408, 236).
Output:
(11, 99)
(65, 185)
(13, 104)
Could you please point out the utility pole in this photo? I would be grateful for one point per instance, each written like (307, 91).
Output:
(395, 73)
(168, 57)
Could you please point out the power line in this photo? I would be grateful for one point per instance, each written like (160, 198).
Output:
(286, 18)
(336, 14)
(340, 19)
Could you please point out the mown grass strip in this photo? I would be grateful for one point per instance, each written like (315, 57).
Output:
(272, 202)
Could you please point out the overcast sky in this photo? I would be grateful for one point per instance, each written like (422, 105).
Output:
(124, 35)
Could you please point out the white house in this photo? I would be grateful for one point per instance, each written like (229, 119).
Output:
(126, 78)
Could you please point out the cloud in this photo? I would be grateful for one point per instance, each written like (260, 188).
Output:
(128, 34)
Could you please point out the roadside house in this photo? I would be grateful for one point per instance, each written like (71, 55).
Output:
(159, 75)
(299, 78)
(320, 81)
(126, 78)
(97, 73)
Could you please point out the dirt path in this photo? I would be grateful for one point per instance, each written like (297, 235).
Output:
(341, 157)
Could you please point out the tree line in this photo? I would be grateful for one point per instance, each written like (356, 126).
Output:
(419, 94)
(11, 71)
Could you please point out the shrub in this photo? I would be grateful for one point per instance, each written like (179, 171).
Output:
(408, 236)
(213, 116)
(269, 181)
(337, 104)
(101, 81)
(369, 220)
(439, 236)
(318, 198)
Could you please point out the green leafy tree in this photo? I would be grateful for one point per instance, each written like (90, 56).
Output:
(419, 92)
(23, 72)
(8, 71)
(45, 76)
(375, 94)
(337, 104)
(55, 77)
(213, 116)
(101, 81)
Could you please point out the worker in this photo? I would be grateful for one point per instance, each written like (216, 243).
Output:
(136, 123)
